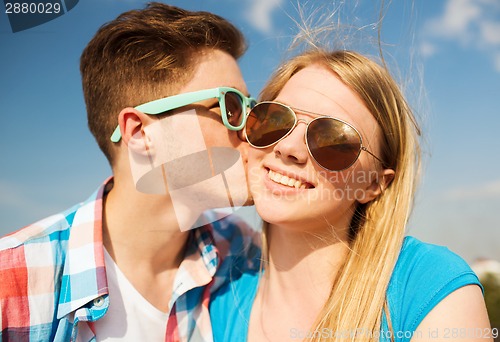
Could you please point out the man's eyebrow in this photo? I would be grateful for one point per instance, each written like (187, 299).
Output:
(247, 94)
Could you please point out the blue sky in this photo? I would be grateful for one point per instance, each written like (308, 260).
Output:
(446, 54)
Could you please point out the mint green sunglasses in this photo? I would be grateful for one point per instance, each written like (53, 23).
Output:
(233, 106)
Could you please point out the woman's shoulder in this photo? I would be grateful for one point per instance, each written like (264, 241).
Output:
(416, 253)
(428, 263)
(423, 276)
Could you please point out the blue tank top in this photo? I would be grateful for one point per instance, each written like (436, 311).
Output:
(423, 276)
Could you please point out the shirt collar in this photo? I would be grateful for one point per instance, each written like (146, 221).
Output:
(84, 274)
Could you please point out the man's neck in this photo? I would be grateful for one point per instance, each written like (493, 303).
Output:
(141, 233)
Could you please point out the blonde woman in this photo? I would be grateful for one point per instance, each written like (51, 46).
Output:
(332, 170)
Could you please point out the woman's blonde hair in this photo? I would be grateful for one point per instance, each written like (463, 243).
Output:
(357, 299)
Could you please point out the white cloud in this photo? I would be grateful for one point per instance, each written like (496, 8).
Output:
(486, 266)
(472, 23)
(427, 49)
(456, 19)
(489, 190)
(490, 32)
(259, 14)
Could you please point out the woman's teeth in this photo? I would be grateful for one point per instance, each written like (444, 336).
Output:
(285, 180)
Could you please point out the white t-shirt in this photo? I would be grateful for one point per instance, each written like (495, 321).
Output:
(130, 316)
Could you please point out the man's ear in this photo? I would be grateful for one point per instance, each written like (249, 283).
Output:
(132, 123)
(377, 186)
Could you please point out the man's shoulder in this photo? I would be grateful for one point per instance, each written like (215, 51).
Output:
(56, 227)
(51, 228)
(42, 243)
(30, 263)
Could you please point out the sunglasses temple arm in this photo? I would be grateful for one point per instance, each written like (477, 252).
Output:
(374, 156)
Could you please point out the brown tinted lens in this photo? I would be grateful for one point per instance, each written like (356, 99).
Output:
(267, 123)
(333, 144)
(234, 108)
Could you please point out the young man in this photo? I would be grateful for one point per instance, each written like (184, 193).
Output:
(122, 265)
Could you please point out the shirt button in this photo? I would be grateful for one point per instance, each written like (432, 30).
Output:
(99, 301)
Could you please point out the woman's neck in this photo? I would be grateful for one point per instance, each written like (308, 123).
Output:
(304, 261)
(297, 281)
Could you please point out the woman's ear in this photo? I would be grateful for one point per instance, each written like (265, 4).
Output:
(132, 123)
(377, 186)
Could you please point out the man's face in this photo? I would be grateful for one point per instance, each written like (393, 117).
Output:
(202, 163)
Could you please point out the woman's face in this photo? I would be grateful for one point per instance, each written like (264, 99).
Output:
(320, 198)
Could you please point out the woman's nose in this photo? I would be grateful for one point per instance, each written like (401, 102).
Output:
(293, 147)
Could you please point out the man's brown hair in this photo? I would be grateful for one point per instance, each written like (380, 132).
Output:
(144, 55)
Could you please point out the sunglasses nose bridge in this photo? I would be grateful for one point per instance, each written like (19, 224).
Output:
(307, 125)
(296, 125)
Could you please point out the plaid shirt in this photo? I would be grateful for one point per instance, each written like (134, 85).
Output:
(53, 281)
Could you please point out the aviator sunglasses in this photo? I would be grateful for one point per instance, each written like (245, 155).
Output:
(334, 144)
(233, 106)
